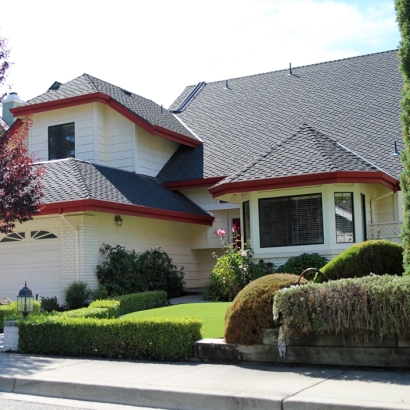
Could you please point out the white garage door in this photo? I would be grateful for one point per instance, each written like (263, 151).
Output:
(33, 256)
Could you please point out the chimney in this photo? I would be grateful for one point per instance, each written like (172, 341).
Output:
(12, 100)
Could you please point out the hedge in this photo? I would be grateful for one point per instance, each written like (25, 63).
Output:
(113, 306)
(98, 313)
(372, 306)
(10, 312)
(154, 338)
(135, 302)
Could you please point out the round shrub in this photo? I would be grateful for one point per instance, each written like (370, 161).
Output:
(377, 256)
(297, 264)
(251, 311)
(77, 295)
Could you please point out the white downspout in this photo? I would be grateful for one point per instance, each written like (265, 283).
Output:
(77, 259)
(376, 199)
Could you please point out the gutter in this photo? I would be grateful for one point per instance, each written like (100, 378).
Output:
(77, 259)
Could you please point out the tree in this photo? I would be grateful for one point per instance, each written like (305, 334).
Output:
(20, 179)
(403, 18)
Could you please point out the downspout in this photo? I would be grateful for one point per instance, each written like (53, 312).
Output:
(77, 259)
(376, 199)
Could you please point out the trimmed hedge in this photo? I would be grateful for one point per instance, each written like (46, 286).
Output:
(10, 312)
(154, 338)
(98, 313)
(251, 310)
(297, 264)
(376, 256)
(135, 302)
(376, 306)
(113, 306)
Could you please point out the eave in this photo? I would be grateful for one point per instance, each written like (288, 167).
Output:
(115, 105)
(124, 209)
(356, 177)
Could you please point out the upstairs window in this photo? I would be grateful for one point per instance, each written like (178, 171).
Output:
(61, 141)
(291, 221)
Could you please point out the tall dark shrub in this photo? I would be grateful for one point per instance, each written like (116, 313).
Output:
(403, 18)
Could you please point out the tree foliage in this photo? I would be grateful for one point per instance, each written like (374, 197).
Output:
(4, 64)
(403, 18)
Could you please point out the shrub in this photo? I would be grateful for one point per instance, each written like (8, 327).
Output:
(374, 256)
(98, 313)
(141, 301)
(51, 304)
(77, 295)
(113, 306)
(376, 306)
(155, 338)
(251, 311)
(233, 271)
(297, 264)
(127, 272)
(10, 312)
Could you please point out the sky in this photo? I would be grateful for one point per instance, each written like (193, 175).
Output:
(155, 48)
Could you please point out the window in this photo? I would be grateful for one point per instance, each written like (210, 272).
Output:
(344, 217)
(61, 141)
(38, 235)
(246, 223)
(14, 237)
(291, 221)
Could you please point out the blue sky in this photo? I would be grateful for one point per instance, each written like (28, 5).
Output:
(155, 48)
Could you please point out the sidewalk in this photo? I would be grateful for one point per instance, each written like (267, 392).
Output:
(202, 386)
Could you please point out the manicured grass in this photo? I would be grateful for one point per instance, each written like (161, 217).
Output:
(211, 314)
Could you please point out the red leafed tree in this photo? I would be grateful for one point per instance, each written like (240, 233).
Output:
(20, 179)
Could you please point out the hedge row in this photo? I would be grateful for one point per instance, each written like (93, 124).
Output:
(135, 302)
(372, 306)
(10, 312)
(154, 339)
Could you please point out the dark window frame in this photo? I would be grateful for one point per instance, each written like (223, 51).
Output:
(284, 225)
(246, 211)
(61, 141)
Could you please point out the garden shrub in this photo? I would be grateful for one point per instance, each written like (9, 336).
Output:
(251, 311)
(77, 295)
(376, 306)
(9, 312)
(233, 271)
(113, 306)
(141, 301)
(297, 264)
(374, 256)
(127, 272)
(98, 313)
(155, 338)
(51, 304)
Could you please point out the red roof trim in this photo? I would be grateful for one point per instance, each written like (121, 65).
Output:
(115, 105)
(125, 209)
(193, 183)
(358, 177)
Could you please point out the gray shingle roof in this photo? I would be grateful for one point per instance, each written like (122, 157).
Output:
(143, 107)
(72, 179)
(355, 101)
(320, 154)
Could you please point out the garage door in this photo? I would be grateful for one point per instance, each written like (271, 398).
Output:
(33, 256)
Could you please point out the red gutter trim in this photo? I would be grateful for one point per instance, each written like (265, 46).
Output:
(376, 177)
(193, 183)
(125, 209)
(115, 105)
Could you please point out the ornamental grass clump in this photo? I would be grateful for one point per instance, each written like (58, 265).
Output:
(359, 309)
(251, 311)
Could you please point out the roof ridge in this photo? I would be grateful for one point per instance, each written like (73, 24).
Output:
(296, 67)
(80, 178)
(89, 79)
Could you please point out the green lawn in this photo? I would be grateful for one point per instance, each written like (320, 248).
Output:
(211, 314)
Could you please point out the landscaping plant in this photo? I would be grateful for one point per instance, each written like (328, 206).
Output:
(233, 271)
(297, 264)
(251, 310)
(77, 295)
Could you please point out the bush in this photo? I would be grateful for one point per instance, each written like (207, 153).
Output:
(141, 301)
(155, 338)
(297, 264)
(98, 313)
(10, 312)
(51, 304)
(376, 306)
(251, 311)
(127, 272)
(233, 271)
(77, 295)
(113, 306)
(374, 256)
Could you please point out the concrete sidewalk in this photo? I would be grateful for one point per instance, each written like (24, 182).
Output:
(192, 385)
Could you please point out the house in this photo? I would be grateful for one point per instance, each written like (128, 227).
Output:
(302, 160)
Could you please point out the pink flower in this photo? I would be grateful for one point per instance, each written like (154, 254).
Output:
(220, 232)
